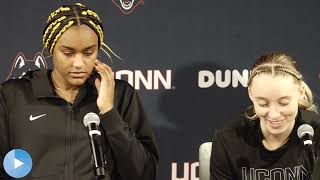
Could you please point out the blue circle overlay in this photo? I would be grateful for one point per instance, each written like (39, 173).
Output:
(17, 163)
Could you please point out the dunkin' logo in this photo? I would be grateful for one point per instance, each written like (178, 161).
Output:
(127, 6)
(21, 65)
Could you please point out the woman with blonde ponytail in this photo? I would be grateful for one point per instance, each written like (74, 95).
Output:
(263, 143)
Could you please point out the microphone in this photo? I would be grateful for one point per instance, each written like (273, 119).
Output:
(91, 121)
(305, 133)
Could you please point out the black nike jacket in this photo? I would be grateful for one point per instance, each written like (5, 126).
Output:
(34, 118)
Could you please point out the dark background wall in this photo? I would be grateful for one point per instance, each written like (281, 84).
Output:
(181, 37)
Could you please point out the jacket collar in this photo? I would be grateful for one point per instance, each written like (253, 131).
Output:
(42, 86)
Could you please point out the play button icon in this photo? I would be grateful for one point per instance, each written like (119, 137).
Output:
(17, 163)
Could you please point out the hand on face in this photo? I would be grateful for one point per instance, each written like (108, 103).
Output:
(105, 87)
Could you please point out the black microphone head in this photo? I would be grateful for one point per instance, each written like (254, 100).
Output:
(305, 129)
(91, 118)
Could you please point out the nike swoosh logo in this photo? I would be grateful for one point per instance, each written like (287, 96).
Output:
(31, 118)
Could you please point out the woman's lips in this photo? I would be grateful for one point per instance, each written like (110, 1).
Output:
(275, 123)
(78, 74)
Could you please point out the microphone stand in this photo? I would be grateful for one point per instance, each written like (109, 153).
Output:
(309, 152)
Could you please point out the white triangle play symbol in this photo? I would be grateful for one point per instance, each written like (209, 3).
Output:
(17, 163)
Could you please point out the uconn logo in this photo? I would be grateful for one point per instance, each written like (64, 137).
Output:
(149, 79)
(223, 79)
(128, 6)
(21, 65)
(185, 171)
(297, 173)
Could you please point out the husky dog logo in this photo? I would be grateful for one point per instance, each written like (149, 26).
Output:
(21, 65)
(128, 6)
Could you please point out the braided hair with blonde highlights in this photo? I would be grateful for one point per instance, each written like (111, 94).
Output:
(66, 16)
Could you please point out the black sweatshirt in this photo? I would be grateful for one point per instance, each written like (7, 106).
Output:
(238, 152)
(59, 142)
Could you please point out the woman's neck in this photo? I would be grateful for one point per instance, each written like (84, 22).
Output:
(66, 92)
(59, 82)
(273, 142)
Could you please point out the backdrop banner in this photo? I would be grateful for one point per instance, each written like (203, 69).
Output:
(189, 60)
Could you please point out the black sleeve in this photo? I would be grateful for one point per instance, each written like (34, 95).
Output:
(220, 167)
(4, 137)
(316, 169)
(131, 138)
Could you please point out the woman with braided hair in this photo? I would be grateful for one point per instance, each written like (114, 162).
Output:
(263, 142)
(43, 111)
